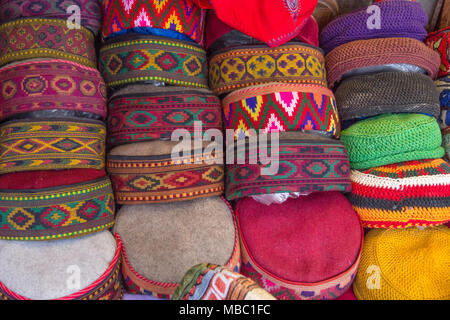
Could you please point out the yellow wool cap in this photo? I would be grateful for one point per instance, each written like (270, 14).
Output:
(405, 264)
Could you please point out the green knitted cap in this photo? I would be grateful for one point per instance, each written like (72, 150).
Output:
(392, 138)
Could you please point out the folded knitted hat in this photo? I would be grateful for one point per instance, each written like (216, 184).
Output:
(440, 42)
(297, 162)
(86, 268)
(304, 248)
(89, 10)
(387, 92)
(41, 88)
(392, 138)
(49, 205)
(410, 264)
(275, 107)
(136, 58)
(325, 11)
(219, 35)
(145, 112)
(146, 172)
(182, 20)
(402, 18)
(46, 38)
(207, 281)
(162, 241)
(401, 195)
(376, 52)
(47, 144)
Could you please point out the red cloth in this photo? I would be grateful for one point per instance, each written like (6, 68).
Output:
(274, 22)
(348, 295)
(216, 29)
(47, 178)
(308, 239)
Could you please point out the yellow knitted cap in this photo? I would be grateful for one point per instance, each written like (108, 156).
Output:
(405, 264)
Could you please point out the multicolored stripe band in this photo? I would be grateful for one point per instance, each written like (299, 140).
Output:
(232, 69)
(51, 85)
(90, 11)
(276, 107)
(401, 195)
(24, 39)
(145, 112)
(154, 179)
(184, 18)
(306, 163)
(138, 284)
(139, 58)
(27, 145)
(440, 42)
(107, 287)
(56, 213)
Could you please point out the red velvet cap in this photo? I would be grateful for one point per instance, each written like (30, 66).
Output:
(310, 245)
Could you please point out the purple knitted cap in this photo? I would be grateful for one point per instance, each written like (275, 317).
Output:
(398, 18)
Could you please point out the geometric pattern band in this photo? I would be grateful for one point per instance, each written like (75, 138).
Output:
(108, 286)
(183, 16)
(150, 116)
(125, 60)
(279, 107)
(27, 145)
(49, 85)
(46, 38)
(56, 213)
(303, 166)
(233, 69)
(146, 180)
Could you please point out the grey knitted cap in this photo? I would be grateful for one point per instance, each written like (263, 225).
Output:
(387, 92)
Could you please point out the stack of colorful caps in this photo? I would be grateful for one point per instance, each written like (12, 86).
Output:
(440, 42)
(389, 105)
(53, 184)
(172, 215)
(283, 90)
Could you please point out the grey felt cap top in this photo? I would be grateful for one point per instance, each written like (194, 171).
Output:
(163, 241)
(43, 270)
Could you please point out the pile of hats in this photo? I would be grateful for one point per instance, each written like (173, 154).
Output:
(383, 73)
(56, 201)
(283, 160)
(167, 176)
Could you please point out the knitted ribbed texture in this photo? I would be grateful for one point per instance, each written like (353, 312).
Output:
(392, 138)
(408, 264)
(405, 194)
(387, 92)
(375, 52)
(399, 19)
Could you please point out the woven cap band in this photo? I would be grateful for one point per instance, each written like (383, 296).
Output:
(281, 107)
(400, 19)
(130, 59)
(439, 41)
(159, 178)
(392, 138)
(387, 92)
(236, 68)
(56, 213)
(46, 38)
(27, 145)
(401, 195)
(90, 11)
(307, 163)
(366, 53)
(51, 85)
(145, 112)
(183, 17)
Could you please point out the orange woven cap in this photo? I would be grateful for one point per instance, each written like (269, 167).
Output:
(377, 52)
